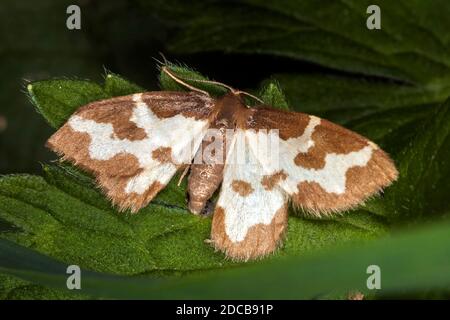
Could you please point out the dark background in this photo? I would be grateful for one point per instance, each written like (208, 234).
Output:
(120, 36)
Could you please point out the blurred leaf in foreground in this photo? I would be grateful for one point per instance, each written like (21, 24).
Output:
(410, 262)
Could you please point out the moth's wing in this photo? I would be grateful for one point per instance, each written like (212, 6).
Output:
(250, 219)
(323, 167)
(135, 144)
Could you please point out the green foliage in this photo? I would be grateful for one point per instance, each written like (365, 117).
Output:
(409, 262)
(413, 44)
(346, 99)
(273, 95)
(63, 215)
(61, 218)
(116, 86)
(14, 288)
(63, 97)
(423, 190)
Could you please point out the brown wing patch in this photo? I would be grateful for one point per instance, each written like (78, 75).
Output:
(361, 182)
(271, 181)
(114, 188)
(289, 124)
(162, 154)
(166, 104)
(329, 138)
(117, 112)
(260, 240)
(242, 187)
(74, 147)
(112, 175)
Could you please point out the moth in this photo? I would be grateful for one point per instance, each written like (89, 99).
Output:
(135, 144)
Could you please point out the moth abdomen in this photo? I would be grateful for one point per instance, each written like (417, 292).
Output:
(204, 180)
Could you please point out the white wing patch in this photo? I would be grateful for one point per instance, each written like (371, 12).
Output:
(156, 172)
(246, 208)
(332, 177)
(304, 142)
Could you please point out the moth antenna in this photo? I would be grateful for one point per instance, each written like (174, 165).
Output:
(165, 62)
(214, 82)
(250, 95)
(169, 73)
(234, 91)
(159, 62)
(174, 77)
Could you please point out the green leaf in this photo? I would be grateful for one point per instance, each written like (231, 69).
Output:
(410, 46)
(408, 262)
(420, 144)
(14, 288)
(272, 95)
(56, 100)
(423, 188)
(345, 99)
(64, 216)
(116, 86)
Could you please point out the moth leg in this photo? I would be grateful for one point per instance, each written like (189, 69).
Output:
(185, 171)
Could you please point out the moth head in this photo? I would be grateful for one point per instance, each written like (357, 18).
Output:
(232, 110)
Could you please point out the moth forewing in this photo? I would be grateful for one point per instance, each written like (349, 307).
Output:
(134, 144)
